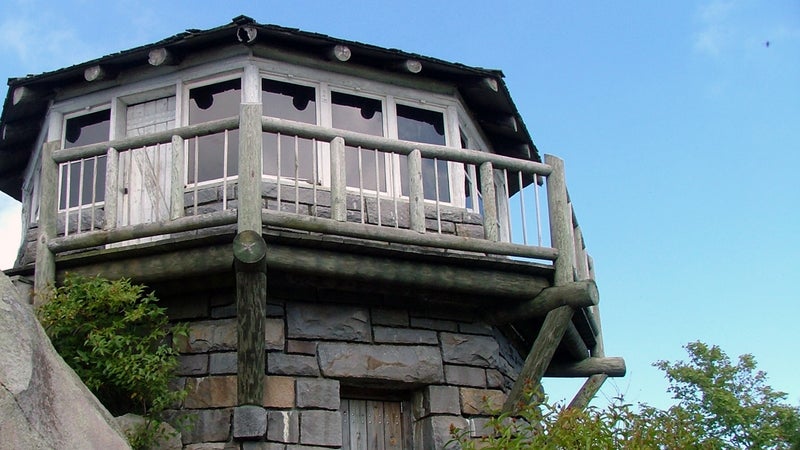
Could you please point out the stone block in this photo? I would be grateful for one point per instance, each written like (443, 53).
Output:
(434, 432)
(195, 365)
(465, 375)
(318, 393)
(300, 365)
(469, 230)
(471, 350)
(481, 401)
(440, 400)
(274, 310)
(279, 392)
(212, 446)
(480, 427)
(390, 317)
(475, 328)
(249, 422)
(404, 336)
(301, 347)
(494, 379)
(206, 336)
(250, 445)
(433, 324)
(207, 425)
(222, 363)
(408, 364)
(274, 335)
(340, 323)
(210, 392)
(321, 428)
(283, 426)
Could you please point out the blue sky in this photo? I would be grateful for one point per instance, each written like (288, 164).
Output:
(678, 124)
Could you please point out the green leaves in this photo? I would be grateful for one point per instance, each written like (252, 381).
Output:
(117, 339)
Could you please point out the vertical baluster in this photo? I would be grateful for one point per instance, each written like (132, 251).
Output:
(522, 209)
(278, 172)
(393, 194)
(314, 175)
(378, 189)
(338, 180)
(416, 198)
(81, 174)
(296, 177)
(94, 190)
(436, 188)
(538, 209)
(225, 171)
(361, 185)
(196, 172)
(507, 201)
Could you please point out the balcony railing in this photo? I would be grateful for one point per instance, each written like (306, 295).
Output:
(503, 214)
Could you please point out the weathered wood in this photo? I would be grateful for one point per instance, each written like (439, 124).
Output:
(611, 366)
(587, 392)
(577, 294)
(431, 151)
(246, 34)
(410, 66)
(177, 178)
(249, 252)
(402, 236)
(146, 140)
(98, 73)
(45, 269)
(558, 320)
(340, 53)
(491, 83)
(22, 94)
(112, 188)
(338, 180)
(491, 227)
(249, 184)
(416, 196)
(538, 359)
(573, 343)
(162, 57)
(102, 237)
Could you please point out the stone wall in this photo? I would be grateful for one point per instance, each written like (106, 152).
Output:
(444, 366)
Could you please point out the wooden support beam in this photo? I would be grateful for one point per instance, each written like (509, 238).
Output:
(112, 189)
(587, 392)
(339, 53)
(45, 269)
(338, 180)
(176, 203)
(249, 182)
(491, 228)
(22, 94)
(162, 57)
(577, 294)
(558, 320)
(416, 196)
(249, 252)
(410, 66)
(611, 366)
(98, 73)
(573, 343)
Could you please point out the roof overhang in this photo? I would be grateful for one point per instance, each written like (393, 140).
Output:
(483, 90)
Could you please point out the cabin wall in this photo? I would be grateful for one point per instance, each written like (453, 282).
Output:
(441, 365)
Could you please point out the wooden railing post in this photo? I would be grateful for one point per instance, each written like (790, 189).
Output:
(490, 225)
(112, 188)
(416, 196)
(177, 178)
(557, 320)
(338, 181)
(249, 251)
(45, 270)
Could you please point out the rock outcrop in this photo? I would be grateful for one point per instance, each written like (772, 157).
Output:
(43, 404)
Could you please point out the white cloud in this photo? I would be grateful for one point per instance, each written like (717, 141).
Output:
(716, 30)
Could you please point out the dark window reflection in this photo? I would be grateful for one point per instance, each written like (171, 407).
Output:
(84, 182)
(208, 103)
(422, 125)
(291, 102)
(364, 115)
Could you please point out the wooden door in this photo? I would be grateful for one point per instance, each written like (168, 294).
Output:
(145, 172)
(374, 425)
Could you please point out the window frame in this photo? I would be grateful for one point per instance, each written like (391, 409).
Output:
(65, 117)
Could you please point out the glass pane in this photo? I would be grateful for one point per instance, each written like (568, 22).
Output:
(422, 125)
(208, 103)
(364, 115)
(291, 102)
(89, 129)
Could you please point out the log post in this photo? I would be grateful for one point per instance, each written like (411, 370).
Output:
(249, 252)
(338, 181)
(588, 391)
(416, 196)
(611, 366)
(112, 188)
(177, 178)
(45, 269)
(491, 229)
(339, 53)
(161, 57)
(556, 322)
(577, 294)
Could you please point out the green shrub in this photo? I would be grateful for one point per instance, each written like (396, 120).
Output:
(118, 341)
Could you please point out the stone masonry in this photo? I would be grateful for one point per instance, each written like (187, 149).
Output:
(445, 370)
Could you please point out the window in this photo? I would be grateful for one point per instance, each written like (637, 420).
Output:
(365, 168)
(425, 126)
(297, 156)
(83, 182)
(215, 156)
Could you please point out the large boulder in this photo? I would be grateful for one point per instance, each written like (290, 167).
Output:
(43, 404)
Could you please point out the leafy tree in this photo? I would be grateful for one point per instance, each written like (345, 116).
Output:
(720, 406)
(117, 339)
